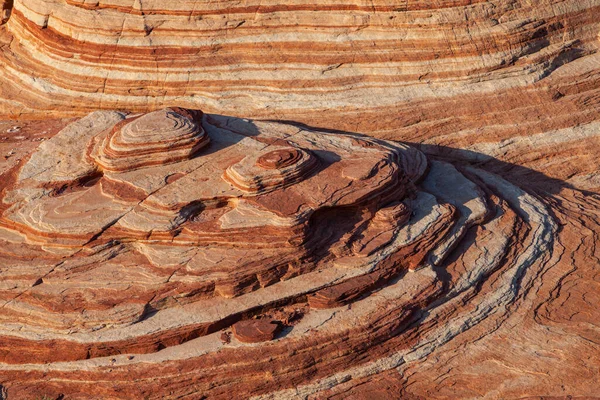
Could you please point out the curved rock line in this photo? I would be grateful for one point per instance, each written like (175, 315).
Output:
(110, 54)
(517, 278)
(392, 277)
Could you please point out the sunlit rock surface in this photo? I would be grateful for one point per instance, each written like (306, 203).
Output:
(411, 211)
(236, 249)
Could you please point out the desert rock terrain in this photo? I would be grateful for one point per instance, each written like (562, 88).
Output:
(290, 200)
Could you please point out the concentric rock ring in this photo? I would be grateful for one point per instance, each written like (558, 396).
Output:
(277, 167)
(160, 137)
(278, 159)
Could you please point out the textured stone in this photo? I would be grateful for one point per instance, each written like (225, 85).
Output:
(144, 252)
(355, 251)
(255, 330)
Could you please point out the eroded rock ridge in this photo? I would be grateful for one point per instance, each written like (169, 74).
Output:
(175, 247)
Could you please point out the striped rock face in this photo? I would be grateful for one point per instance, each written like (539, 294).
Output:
(158, 138)
(455, 73)
(374, 59)
(411, 212)
(258, 258)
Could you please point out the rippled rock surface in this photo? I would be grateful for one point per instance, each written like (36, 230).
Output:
(411, 211)
(275, 261)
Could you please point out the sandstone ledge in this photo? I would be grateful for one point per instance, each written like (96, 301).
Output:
(195, 274)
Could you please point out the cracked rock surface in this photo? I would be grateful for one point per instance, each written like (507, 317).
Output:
(410, 211)
(333, 264)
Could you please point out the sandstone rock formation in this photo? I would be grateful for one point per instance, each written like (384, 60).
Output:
(276, 59)
(455, 73)
(412, 210)
(265, 259)
(5, 9)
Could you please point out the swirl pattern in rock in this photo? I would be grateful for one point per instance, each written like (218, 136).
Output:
(299, 260)
(157, 138)
(267, 260)
(274, 168)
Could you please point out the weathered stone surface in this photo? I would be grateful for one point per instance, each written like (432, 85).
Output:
(145, 251)
(255, 330)
(262, 247)
(159, 138)
(433, 62)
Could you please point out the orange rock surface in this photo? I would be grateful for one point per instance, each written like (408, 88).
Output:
(411, 210)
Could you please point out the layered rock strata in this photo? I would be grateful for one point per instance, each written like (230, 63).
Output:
(508, 79)
(158, 138)
(269, 260)
(128, 270)
(275, 60)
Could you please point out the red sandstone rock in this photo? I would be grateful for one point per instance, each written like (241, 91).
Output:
(461, 266)
(136, 273)
(158, 244)
(255, 330)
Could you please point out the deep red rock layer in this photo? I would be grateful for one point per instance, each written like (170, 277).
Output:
(326, 284)
(246, 258)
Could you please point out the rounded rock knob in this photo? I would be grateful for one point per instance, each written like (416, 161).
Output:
(279, 159)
